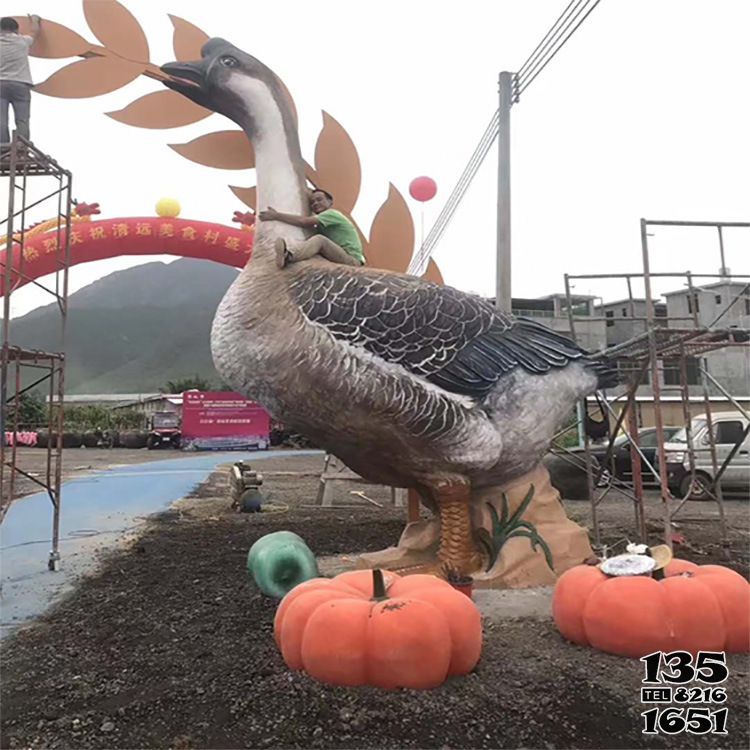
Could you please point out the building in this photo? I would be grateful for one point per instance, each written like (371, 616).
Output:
(110, 400)
(158, 402)
(552, 311)
(599, 325)
(724, 304)
(626, 318)
(146, 403)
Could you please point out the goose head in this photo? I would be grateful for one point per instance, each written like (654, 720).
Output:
(233, 83)
(239, 86)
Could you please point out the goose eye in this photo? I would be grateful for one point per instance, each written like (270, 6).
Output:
(229, 62)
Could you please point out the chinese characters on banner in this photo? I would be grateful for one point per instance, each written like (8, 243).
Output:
(218, 420)
(43, 252)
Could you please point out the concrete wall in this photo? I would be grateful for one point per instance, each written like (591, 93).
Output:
(591, 333)
(550, 311)
(730, 365)
(619, 324)
(712, 302)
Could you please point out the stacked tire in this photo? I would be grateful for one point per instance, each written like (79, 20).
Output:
(69, 439)
(90, 439)
(133, 439)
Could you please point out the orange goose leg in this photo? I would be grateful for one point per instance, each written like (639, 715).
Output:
(457, 548)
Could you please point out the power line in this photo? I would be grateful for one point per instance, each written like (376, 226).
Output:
(421, 258)
(543, 45)
(441, 224)
(534, 70)
(536, 62)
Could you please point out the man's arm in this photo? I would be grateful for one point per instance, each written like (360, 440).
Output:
(36, 26)
(271, 214)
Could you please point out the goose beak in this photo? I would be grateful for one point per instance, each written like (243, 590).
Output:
(208, 81)
(188, 79)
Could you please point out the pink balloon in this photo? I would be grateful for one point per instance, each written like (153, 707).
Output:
(423, 188)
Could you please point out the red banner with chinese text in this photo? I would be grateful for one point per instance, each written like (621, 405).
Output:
(95, 240)
(221, 420)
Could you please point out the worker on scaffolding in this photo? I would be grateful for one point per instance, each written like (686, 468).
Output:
(15, 76)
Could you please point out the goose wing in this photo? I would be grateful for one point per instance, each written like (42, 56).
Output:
(455, 340)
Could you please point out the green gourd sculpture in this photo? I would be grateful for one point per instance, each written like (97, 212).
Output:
(278, 562)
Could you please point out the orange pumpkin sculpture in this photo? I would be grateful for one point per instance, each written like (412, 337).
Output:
(348, 631)
(693, 608)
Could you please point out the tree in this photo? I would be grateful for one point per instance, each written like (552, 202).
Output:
(32, 412)
(187, 384)
(87, 417)
(128, 419)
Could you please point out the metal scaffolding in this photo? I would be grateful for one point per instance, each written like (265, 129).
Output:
(644, 355)
(21, 368)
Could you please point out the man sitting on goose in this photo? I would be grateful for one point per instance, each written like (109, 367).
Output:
(335, 238)
(411, 384)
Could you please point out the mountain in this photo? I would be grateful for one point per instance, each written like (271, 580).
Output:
(132, 331)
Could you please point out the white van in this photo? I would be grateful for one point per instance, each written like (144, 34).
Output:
(729, 427)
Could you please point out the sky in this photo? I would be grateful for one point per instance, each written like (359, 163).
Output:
(643, 113)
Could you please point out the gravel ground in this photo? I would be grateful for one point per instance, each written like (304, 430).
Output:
(169, 645)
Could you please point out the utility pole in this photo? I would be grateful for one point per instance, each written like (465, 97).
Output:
(502, 279)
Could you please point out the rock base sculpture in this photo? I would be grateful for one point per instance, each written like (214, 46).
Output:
(524, 527)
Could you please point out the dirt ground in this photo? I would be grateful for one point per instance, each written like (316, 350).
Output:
(170, 645)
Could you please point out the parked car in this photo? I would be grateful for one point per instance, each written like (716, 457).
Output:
(730, 428)
(621, 458)
(568, 472)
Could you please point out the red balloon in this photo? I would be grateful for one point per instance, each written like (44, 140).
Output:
(423, 188)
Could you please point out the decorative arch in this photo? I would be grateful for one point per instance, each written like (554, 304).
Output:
(122, 55)
(147, 235)
(150, 235)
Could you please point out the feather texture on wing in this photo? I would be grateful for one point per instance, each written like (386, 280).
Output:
(455, 340)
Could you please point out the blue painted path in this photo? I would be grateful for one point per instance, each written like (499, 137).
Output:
(97, 510)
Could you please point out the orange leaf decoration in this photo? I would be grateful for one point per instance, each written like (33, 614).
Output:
(187, 40)
(54, 40)
(249, 196)
(391, 234)
(226, 149)
(161, 109)
(90, 77)
(117, 29)
(433, 273)
(310, 173)
(337, 164)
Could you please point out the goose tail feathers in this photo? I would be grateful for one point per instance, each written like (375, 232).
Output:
(607, 374)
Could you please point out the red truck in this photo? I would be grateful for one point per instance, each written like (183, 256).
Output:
(165, 430)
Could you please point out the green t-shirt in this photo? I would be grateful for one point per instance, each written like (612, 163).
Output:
(334, 225)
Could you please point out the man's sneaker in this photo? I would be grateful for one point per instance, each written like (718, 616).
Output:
(283, 256)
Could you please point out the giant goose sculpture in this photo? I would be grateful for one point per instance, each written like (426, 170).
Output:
(411, 384)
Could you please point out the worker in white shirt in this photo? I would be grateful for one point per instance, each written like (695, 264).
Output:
(15, 76)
